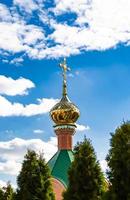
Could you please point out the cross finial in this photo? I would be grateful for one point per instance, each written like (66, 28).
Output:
(65, 68)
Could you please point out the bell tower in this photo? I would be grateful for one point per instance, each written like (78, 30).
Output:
(64, 115)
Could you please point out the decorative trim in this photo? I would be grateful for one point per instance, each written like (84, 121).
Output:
(56, 127)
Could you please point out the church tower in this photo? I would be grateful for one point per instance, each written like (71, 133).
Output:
(64, 115)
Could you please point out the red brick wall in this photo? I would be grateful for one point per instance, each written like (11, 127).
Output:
(64, 138)
(65, 141)
(58, 188)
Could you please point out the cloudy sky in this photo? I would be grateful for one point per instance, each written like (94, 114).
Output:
(35, 35)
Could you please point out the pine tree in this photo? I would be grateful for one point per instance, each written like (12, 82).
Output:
(1, 194)
(85, 176)
(119, 163)
(8, 192)
(34, 179)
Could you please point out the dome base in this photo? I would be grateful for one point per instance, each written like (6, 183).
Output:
(64, 126)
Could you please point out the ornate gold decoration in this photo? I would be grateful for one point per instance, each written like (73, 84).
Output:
(64, 112)
(65, 68)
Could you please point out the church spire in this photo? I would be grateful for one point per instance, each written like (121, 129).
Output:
(65, 68)
(64, 115)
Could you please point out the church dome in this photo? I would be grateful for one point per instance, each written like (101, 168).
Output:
(64, 112)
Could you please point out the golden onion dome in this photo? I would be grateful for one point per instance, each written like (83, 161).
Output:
(64, 112)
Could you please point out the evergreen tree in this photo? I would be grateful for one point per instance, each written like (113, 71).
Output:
(119, 163)
(8, 192)
(34, 179)
(85, 176)
(1, 194)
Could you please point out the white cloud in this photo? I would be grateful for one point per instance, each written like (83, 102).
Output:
(16, 34)
(10, 167)
(16, 109)
(9, 40)
(99, 25)
(82, 127)
(80, 38)
(53, 52)
(19, 37)
(108, 23)
(70, 6)
(17, 61)
(53, 141)
(104, 165)
(26, 5)
(13, 87)
(9, 14)
(2, 183)
(67, 36)
(12, 152)
(4, 13)
(39, 131)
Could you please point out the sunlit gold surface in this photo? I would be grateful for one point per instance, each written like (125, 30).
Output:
(64, 112)
(65, 68)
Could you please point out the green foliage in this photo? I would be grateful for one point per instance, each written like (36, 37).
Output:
(7, 193)
(1, 194)
(85, 176)
(118, 161)
(34, 179)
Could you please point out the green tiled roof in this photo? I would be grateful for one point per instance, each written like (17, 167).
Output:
(59, 165)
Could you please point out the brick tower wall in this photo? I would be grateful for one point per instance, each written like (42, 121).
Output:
(58, 188)
(65, 138)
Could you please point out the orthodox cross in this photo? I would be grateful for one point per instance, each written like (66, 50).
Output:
(65, 68)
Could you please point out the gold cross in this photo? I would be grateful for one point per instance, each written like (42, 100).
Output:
(64, 66)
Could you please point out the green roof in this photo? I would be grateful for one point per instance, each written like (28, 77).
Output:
(59, 165)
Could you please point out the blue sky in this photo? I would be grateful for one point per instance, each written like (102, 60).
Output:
(35, 35)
